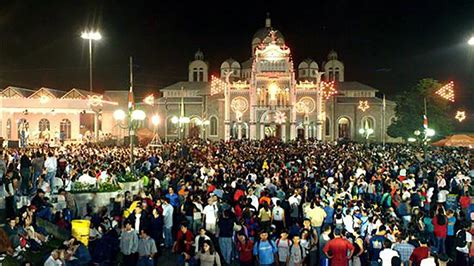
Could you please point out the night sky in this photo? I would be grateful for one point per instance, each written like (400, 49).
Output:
(386, 44)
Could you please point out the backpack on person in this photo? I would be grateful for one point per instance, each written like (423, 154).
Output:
(302, 252)
(460, 239)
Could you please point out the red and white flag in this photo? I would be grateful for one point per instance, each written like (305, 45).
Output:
(425, 121)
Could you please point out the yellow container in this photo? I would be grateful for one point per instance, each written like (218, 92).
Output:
(81, 230)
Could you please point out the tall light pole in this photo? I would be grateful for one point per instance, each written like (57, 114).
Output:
(91, 36)
(471, 41)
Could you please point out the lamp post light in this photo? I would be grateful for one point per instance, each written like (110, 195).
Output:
(366, 132)
(424, 137)
(471, 41)
(203, 124)
(132, 120)
(180, 121)
(91, 36)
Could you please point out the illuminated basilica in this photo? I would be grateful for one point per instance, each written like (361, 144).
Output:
(266, 96)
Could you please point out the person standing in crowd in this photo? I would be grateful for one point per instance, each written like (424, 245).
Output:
(376, 245)
(323, 240)
(146, 249)
(278, 217)
(51, 165)
(38, 166)
(296, 253)
(420, 253)
(463, 245)
(283, 246)
(209, 216)
(403, 248)
(264, 250)
(183, 244)
(25, 173)
(156, 228)
(387, 254)
(245, 249)
(129, 244)
(168, 222)
(339, 250)
(207, 256)
(226, 231)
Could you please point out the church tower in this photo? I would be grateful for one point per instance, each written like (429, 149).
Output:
(198, 70)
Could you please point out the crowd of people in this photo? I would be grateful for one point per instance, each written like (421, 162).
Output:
(247, 203)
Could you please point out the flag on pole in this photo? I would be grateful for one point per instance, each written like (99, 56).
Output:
(383, 103)
(425, 121)
(131, 102)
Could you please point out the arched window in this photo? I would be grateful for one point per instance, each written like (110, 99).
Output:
(171, 128)
(195, 74)
(43, 125)
(367, 122)
(213, 126)
(344, 127)
(22, 125)
(65, 129)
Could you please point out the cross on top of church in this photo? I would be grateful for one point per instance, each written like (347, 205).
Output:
(273, 35)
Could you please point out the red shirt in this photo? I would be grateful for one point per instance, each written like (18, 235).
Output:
(418, 254)
(245, 251)
(464, 201)
(338, 248)
(181, 238)
(440, 230)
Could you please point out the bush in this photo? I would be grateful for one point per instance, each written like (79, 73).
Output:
(127, 177)
(78, 187)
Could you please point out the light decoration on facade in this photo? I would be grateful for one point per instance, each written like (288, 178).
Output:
(305, 105)
(460, 115)
(95, 100)
(273, 90)
(363, 106)
(280, 117)
(327, 89)
(306, 85)
(240, 85)
(150, 99)
(239, 105)
(217, 85)
(44, 99)
(447, 91)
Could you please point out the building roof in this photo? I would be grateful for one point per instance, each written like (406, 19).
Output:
(355, 100)
(354, 86)
(188, 85)
(247, 64)
(174, 100)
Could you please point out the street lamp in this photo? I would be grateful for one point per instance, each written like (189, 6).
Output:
(366, 132)
(91, 36)
(471, 41)
(179, 121)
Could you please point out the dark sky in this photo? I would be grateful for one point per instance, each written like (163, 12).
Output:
(387, 44)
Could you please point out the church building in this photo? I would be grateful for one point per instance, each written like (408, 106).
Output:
(266, 96)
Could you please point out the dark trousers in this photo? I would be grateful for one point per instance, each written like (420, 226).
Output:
(129, 260)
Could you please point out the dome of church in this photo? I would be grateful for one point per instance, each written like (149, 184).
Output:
(332, 55)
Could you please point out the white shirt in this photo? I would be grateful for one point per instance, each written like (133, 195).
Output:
(210, 211)
(137, 222)
(386, 256)
(278, 213)
(442, 196)
(430, 261)
(254, 201)
(348, 223)
(51, 164)
(465, 249)
(52, 262)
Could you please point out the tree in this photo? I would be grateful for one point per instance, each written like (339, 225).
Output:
(410, 110)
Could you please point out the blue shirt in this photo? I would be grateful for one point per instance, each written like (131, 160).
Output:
(375, 246)
(330, 214)
(174, 199)
(265, 252)
(451, 222)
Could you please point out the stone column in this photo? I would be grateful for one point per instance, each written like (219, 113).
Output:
(239, 130)
(283, 132)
